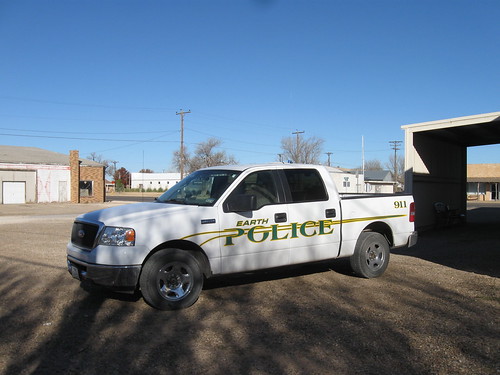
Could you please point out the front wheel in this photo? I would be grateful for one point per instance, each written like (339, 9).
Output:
(171, 279)
(371, 255)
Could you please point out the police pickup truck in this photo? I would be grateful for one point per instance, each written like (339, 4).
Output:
(224, 220)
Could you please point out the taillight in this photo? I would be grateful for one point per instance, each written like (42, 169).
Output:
(412, 212)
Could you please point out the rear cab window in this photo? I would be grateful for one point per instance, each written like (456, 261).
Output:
(305, 185)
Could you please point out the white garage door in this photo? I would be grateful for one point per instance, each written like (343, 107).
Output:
(14, 192)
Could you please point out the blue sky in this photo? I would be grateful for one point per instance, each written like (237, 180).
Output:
(109, 76)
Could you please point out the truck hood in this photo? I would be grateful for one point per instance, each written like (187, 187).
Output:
(130, 215)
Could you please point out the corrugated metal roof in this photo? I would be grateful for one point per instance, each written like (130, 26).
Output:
(476, 130)
(380, 175)
(483, 179)
(35, 155)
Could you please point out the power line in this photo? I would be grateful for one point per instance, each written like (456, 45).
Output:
(84, 138)
(67, 132)
(82, 104)
(228, 139)
(54, 118)
(232, 120)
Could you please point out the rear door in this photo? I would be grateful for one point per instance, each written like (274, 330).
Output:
(314, 215)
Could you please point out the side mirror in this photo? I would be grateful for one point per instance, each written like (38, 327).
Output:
(241, 203)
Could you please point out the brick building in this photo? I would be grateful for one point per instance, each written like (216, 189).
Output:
(88, 183)
(483, 182)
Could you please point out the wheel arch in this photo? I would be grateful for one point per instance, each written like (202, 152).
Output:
(383, 228)
(190, 247)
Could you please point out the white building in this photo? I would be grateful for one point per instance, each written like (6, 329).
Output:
(379, 182)
(347, 181)
(154, 181)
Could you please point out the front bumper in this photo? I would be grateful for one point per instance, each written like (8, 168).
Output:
(123, 277)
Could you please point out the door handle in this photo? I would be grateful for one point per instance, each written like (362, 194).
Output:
(330, 212)
(280, 217)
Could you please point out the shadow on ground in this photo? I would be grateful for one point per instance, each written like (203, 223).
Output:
(473, 246)
(420, 318)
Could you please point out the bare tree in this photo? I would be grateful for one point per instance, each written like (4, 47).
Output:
(94, 156)
(176, 159)
(205, 156)
(98, 158)
(397, 167)
(373, 165)
(302, 150)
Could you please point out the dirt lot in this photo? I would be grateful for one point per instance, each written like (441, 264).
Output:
(435, 311)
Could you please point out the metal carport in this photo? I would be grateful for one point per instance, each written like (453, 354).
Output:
(436, 160)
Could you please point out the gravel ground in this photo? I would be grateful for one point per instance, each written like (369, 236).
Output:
(434, 311)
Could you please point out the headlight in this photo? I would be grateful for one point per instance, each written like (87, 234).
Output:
(117, 236)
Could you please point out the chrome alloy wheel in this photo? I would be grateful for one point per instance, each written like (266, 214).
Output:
(175, 281)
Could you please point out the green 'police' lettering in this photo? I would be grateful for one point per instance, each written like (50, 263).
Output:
(275, 232)
(251, 234)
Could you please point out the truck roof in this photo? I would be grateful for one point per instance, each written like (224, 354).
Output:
(275, 165)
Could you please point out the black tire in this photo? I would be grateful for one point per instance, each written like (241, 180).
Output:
(371, 255)
(171, 279)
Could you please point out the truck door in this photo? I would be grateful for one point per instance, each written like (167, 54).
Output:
(254, 223)
(314, 215)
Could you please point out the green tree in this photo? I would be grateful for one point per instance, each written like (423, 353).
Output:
(122, 176)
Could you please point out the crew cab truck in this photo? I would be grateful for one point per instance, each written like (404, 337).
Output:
(224, 220)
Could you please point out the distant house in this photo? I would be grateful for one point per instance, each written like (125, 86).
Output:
(347, 181)
(110, 186)
(483, 182)
(34, 175)
(379, 182)
(154, 181)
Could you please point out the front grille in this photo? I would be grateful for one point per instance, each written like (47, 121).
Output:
(84, 234)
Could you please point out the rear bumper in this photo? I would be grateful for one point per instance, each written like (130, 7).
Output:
(123, 277)
(412, 239)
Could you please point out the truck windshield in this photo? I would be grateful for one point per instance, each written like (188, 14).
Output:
(200, 188)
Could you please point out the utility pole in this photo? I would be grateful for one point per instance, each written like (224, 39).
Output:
(329, 153)
(297, 149)
(182, 113)
(395, 147)
(114, 172)
(363, 154)
(363, 160)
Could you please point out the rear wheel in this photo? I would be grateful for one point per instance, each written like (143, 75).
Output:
(171, 279)
(371, 255)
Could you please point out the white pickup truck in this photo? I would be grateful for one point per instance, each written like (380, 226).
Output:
(224, 220)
